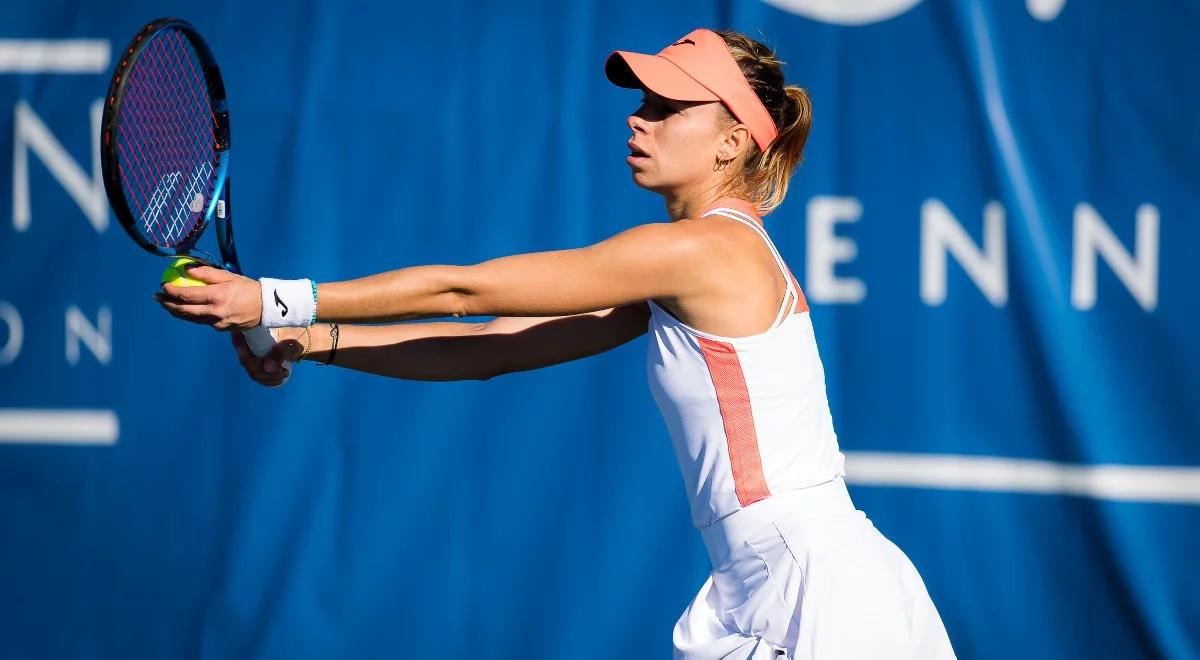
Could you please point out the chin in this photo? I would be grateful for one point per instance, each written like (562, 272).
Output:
(646, 182)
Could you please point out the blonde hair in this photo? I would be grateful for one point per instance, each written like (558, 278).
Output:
(763, 177)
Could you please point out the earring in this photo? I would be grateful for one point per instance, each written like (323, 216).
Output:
(720, 165)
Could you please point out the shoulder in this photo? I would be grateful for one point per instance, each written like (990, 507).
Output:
(694, 249)
(683, 239)
(723, 238)
(697, 240)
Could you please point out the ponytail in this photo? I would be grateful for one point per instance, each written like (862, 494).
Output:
(768, 181)
(764, 177)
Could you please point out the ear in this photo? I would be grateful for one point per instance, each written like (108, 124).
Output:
(734, 142)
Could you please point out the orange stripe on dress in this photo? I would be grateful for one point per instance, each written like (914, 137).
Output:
(733, 398)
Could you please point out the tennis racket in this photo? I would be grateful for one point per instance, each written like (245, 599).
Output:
(165, 149)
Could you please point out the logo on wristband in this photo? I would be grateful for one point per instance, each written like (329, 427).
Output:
(280, 302)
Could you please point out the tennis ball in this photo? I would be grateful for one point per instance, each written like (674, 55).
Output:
(176, 274)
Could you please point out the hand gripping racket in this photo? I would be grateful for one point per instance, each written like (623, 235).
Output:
(165, 149)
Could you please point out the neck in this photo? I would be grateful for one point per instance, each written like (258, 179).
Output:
(691, 203)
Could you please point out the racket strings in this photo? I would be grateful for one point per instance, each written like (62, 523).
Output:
(177, 129)
(166, 142)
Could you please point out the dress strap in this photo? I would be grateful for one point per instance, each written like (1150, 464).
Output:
(791, 296)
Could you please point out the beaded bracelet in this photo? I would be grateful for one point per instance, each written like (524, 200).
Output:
(314, 311)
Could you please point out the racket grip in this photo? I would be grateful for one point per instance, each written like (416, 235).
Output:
(261, 340)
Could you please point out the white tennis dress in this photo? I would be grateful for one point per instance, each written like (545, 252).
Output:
(797, 571)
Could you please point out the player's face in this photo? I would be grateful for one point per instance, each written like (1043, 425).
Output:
(674, 143)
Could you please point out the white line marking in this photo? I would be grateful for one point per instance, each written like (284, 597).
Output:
(58, 427)
(1127, 483)
(1010, 151)
(54, 56)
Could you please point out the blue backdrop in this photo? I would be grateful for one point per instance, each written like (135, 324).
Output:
(995, 223)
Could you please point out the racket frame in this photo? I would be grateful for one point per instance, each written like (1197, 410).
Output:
(109, 157)
(219, 210)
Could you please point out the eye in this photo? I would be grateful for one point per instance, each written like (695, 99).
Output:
(660, 105)
(657, 108)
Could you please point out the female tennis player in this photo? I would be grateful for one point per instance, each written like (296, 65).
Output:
(797, 571)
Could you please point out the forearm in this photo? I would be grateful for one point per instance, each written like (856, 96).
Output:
(404, 294)
(412, 351)
(471, 351)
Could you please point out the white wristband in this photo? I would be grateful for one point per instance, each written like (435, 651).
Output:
(288, 303)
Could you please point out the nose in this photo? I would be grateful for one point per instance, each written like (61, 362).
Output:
(636, 123)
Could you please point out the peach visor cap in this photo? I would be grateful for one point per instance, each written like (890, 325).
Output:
(698, 67)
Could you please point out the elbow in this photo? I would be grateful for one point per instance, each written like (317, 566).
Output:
(490, 362)
(456, 296)
(485, 372)
(458, 304)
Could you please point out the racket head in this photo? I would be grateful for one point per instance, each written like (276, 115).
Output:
(165, 140)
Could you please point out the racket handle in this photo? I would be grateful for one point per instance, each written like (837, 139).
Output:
(261, 340)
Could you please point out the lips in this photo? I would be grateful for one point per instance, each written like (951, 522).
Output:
(637, 157)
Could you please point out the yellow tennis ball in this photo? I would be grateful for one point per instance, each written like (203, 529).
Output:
(176, 275)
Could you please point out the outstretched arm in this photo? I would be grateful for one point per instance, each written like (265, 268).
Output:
(639, 264)
(456, 350)
(643, 263)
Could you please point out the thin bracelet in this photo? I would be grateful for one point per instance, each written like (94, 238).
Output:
(307, 344)
(333, 333)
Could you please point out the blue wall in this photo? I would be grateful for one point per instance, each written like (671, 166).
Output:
(541, 515)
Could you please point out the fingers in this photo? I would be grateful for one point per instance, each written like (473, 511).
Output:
(232, 304)
(288, 350)
(273, 360)
(239, 344)
(267, 370)
(191, 295)
(291, 349)
(259, 369)
(270, 380)
(192, 313)
(208, 274)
